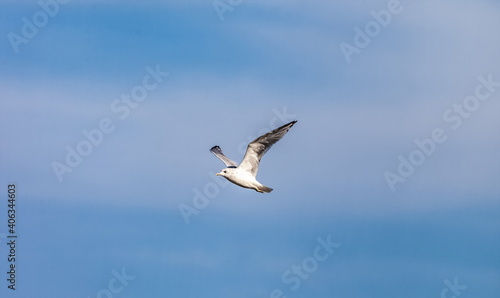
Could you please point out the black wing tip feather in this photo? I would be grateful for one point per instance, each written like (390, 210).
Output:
(215, 148)
(288, 125)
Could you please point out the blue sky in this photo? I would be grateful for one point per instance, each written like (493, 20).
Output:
(189, 80)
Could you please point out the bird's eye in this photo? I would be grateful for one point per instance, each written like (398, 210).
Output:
(225, 171)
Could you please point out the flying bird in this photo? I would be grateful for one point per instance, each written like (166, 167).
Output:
(244, 174)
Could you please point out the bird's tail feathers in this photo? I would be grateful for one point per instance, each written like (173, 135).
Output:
(265, 189)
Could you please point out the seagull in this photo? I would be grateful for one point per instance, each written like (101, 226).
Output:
(244, 174)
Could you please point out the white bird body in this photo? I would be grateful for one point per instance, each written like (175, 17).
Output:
(244, 179)
(245, 174)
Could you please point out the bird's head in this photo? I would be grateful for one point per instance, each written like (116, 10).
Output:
(225, 172)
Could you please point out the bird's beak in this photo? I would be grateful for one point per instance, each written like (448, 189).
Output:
(218, 174)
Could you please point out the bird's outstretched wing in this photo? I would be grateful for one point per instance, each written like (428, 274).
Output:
(218, 152)
(258, 147)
